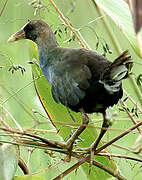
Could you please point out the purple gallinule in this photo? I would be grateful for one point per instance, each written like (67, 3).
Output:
(81, 79)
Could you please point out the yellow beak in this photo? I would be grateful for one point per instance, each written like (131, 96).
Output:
(17, 36)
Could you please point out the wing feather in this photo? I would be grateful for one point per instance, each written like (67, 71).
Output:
(69, 84)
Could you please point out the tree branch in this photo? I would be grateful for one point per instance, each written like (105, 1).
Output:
(95, 163)
(3, 7)
(87, 158)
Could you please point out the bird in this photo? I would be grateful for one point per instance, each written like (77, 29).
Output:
(81, 79)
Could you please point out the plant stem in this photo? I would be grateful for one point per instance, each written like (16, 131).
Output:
(68, 24)
(87, 158)
(96, 163)
(11, 116)
(131, 117)
(136, 89)
(23, 166)
(120, 156)
(3, 7)
(107, 27)
(118, 137)
(132, 100)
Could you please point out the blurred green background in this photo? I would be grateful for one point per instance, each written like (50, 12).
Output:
(17, 91)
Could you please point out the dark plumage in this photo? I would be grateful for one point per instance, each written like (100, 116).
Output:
(79, 78)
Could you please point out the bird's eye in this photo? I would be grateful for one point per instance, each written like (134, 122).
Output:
(29, 27)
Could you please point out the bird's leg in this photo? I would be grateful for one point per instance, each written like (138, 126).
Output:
(105, 125)
(94, 145)
(80, 129)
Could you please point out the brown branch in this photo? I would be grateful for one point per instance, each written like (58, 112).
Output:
(128, 150)
(23, 166)
(80, 156)
(75, 166)
(3, 7)
(50, 143)
(118, 137)
(119, 156)
(131, 117)
(68, 24)
(96, 163)
(87, 158)
(108, 170)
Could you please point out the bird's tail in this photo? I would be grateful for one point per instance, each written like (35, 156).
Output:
(117, 71)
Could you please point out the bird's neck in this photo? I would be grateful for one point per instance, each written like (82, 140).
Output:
(46, 45)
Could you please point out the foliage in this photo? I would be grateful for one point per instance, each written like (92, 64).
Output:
(25, 121)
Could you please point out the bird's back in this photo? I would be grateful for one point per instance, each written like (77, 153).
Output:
(77, 80)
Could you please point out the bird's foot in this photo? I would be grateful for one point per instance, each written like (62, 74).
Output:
(88, 150)
(67, 158)
(95, 144)
(80, 129)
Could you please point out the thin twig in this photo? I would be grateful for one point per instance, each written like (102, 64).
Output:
(68, 24)
(132, 100)
(5, 123)
(118, 137)
(129, 114)
(11, 116)
(96, 163)
(3, 7)
(107, 27)
(75, 166)
(120, 156)
(51, 143)
(23, 166)
(20, 89)
(87, 158)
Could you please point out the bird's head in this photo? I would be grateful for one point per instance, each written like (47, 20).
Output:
(35, 30)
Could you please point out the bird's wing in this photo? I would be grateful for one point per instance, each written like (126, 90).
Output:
(69, 79)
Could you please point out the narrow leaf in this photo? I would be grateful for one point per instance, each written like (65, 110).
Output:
(120, 13)
(136, 10)
(28, 178)
(9, 156)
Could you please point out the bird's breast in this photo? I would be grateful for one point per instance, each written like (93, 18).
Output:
(47, 72)
(46, 67)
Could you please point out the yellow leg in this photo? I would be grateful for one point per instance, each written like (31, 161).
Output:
(85, 121)
(94, 145)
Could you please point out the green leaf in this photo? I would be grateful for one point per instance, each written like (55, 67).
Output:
(120, 13)
(28, 178)
(9, 155)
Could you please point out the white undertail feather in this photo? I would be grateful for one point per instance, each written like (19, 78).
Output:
(118, 71)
